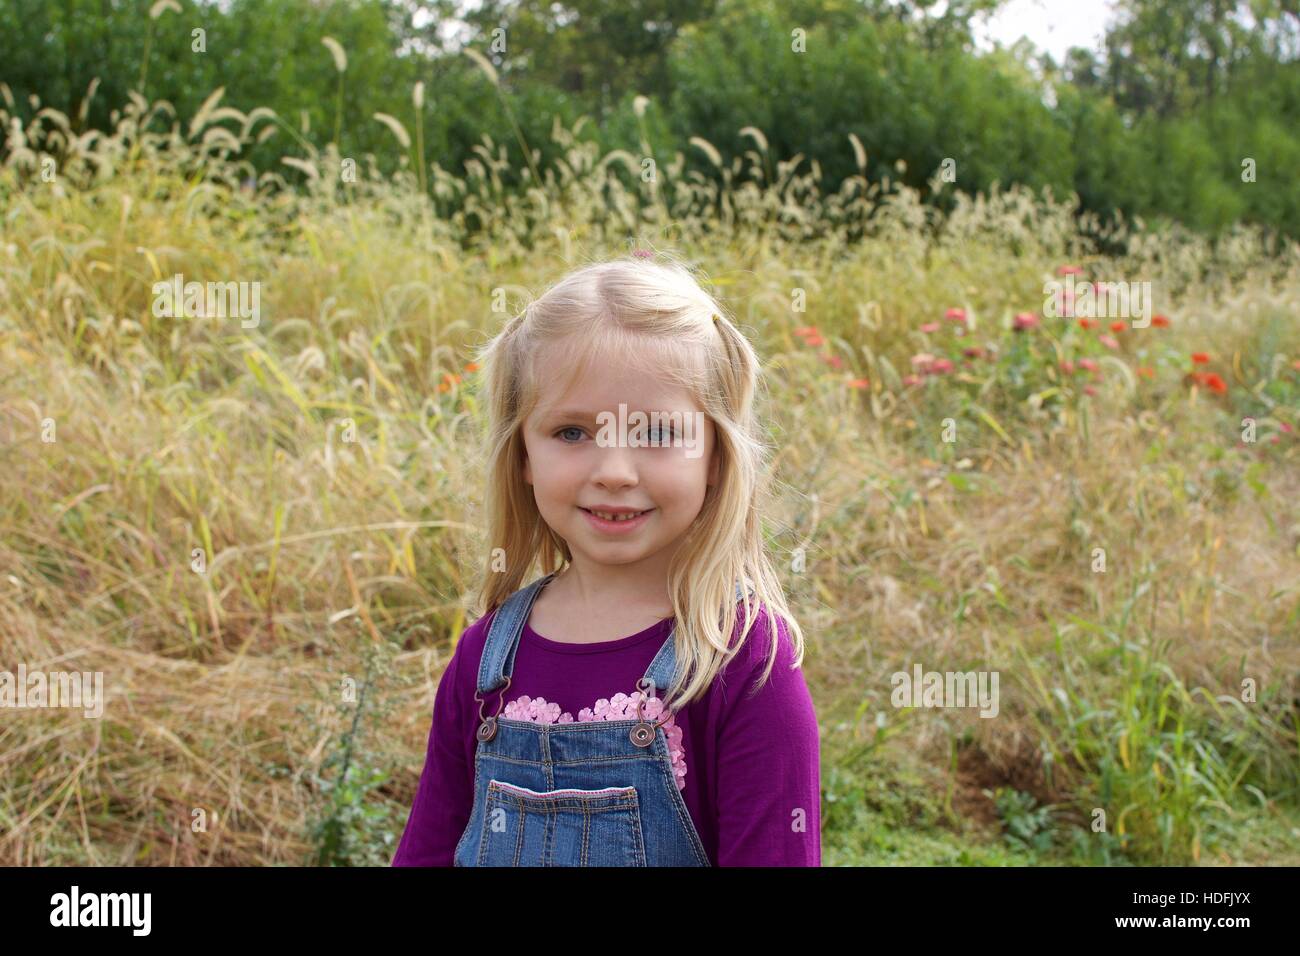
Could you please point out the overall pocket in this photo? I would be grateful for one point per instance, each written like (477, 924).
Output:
(523, 827)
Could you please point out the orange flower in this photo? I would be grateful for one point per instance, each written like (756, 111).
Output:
(1118, 326)
(1146, 372)
(1200, 358)
(1088, 323)
(472, 367)
(858, 382)
(1160, 321)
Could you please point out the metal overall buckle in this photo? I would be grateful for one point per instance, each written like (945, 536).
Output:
(643, 734)
(487, 728)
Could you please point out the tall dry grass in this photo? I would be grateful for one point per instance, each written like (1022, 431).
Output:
(326, 559)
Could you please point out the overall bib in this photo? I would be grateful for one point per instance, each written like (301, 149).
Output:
(596, 793)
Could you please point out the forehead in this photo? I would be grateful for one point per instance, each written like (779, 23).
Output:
(604, 385)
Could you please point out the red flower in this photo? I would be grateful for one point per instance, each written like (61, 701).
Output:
(1108, 341)
(1160, 321)
(1118, 326)
(1088, 323)
(1146, 372)
(1200, 358)
(973, 351)
(1216, 384)
(941, 365)
(834, 361)
(815, 340)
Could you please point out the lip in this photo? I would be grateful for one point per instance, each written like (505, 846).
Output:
(617, 527)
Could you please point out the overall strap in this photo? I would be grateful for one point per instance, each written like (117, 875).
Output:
(503, 636)
(508, 625)
(664, 666)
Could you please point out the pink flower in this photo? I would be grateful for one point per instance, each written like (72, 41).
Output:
(1108, 341)
(1088, 364)
(973, 351)
(1067, 366)
(619, 707)
(643, 253)
(834, 361)
(922, 360)
(1068, 270)
(1089, 390)
(910, 380)
(929, 327)
(955, 315)
(941, 365)
(1024, 320)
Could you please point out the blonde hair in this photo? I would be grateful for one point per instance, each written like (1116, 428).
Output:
(655, 315)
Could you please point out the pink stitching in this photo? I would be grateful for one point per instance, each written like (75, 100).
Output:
(560, 793)
(619, 707)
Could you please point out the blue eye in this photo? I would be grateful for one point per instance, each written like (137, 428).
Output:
(665, 435)
(570, 428)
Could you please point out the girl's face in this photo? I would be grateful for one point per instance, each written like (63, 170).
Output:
(575, 468)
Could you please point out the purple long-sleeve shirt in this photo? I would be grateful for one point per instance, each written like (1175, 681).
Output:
(752, 762)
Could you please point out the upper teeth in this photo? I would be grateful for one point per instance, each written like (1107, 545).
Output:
(611, 517)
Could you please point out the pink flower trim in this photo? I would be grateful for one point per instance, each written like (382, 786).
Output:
(538, 710)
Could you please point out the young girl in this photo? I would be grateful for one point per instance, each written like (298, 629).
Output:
(629, 707)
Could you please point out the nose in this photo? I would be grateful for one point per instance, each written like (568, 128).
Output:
(615, 468)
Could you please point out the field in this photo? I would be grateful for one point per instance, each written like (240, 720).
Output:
(236, 521)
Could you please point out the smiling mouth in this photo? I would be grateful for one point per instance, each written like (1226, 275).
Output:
(612, 517)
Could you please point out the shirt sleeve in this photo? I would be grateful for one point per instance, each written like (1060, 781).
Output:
(445, 796)
(768, 753)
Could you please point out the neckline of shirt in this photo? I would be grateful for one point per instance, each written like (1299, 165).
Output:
(658, 629)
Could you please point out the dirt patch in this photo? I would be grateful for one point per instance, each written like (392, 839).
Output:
(1019, 768)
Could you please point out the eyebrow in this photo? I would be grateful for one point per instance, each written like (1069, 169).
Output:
(580, 414)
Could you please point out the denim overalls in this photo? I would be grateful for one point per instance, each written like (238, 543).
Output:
(596, 793)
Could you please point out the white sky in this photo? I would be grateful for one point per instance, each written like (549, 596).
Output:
(1051, 25)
